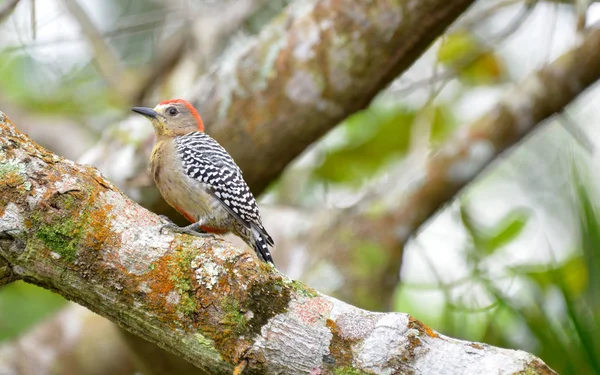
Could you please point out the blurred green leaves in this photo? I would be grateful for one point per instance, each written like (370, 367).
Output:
(22, 305)
(488, 240)
(37, 88)
(373, 138)
(475, 63)
(551, 308)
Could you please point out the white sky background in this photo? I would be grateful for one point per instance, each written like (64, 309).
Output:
(548, 32)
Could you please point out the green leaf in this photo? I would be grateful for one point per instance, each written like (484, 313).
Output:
(22, 305)
(475, 63)
(507, 230)
(374, 137)
(571, 273)
(443, 123)
(455, 47)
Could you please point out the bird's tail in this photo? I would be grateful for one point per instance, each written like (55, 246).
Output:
(261, 245)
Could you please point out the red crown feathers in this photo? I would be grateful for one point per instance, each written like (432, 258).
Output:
(190, 107)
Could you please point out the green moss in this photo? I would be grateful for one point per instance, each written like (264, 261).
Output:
(204, 342)
(64, 227)
(302, 289)
(348, 371)
(265, 300)
(13, 174)
(61, 237)
(181, 276)
(232, 317)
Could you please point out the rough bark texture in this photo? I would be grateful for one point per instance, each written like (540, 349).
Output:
(313, 66)
(65, 228)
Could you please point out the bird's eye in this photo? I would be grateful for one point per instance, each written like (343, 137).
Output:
(172, 111)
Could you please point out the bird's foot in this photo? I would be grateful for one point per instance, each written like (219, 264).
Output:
(166, 218)
(192, 230)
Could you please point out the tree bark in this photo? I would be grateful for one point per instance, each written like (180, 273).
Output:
(312, 66)
(64, 227)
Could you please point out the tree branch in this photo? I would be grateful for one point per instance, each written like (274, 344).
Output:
(7, 8)
(205, 300)
(382, 233)
(308, 70)
(108, 63)
(313, 65)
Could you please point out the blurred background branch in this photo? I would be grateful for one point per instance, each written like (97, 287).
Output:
(260, 101)
(6, 8)
(363, 245)
(108, 63)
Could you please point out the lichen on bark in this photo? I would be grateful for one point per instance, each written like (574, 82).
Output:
(203, 299)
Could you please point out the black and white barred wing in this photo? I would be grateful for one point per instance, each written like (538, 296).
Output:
(206, 161)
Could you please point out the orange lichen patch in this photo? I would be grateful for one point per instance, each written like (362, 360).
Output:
(12, 179)
(97, 176)
(413, 342)
(160, 286)
(72, 220)
(11, 189)
(421, 327)
(97, 222)
(98, 231)
(239, 369)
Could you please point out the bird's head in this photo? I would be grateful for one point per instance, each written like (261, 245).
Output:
(173, 117)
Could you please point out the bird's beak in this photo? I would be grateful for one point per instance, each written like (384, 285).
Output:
(148, 112)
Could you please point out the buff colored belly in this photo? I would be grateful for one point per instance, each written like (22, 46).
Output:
(186, 195)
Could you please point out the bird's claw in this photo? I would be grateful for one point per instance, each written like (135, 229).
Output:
(166, 218)
(191, 230)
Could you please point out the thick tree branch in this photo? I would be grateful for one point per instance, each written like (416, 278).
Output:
(315, 64)
(203, 299)
(6, 273)
(322, 63)
(362, 247)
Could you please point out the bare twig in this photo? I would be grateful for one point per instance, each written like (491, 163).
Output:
(108, 63)
(7, 8)
(171, 51)
(33, 17)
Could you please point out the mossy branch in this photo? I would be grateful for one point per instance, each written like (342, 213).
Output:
(67, 229)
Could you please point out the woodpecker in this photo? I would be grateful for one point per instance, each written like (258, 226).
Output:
(198, 178)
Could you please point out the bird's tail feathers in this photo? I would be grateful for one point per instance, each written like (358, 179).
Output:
(261, 245)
